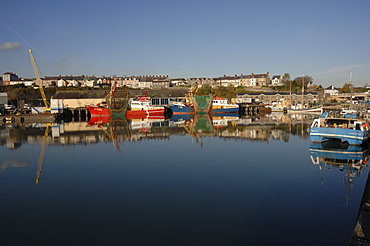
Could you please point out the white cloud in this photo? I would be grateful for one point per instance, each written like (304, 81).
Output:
(10, 46)
(341, 69)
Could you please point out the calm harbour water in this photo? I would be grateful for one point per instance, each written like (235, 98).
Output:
(244, 182)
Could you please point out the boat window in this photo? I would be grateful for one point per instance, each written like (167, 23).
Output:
(155, 101)
(358, 126)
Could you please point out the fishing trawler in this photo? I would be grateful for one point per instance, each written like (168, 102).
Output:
(142, 107)
(222, 105)
(115, 103)
(348, 127)
(193, 103)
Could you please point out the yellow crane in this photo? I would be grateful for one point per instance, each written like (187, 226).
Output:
(39, 82)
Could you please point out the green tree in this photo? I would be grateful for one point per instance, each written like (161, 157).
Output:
(306, 79)
(204, 90)
(347, 88)
(286, 78)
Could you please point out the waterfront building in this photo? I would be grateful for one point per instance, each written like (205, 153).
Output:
(271, 98)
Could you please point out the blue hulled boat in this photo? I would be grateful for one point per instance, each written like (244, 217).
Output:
(222, 105)
(352, 128)
(180, 108)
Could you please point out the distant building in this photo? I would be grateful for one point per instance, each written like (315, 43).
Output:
(26, 82)
(8, 77)
(178, 82)
(331, 90)
(277, 80)
(255, 80)
(193, 81)
(160, 83)
(260, 80)
(228, 81)
(311, 84)
(132, 82)
(271, 98)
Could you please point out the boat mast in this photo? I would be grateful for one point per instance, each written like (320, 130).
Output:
(302, 90)
(351, 88)
(290, 94)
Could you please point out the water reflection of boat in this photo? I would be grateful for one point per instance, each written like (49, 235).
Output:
(146, 123)
(349, 159)
(98, 120)
(112, 127)
(222, 120)
(336, 151)
(181, 118)
(198, 126)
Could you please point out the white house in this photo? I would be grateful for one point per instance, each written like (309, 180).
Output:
(277, 80)
(331, 90)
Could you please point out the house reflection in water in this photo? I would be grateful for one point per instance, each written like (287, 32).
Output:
(262, 128)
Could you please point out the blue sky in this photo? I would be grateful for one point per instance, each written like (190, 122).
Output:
(326, 40)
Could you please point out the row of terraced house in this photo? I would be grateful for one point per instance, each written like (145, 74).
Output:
(148, 82)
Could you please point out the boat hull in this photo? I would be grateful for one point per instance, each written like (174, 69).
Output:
(142, 113)
(146, 117)
(202, 104)
(306, 111)
(353, 137)
(224, 110)
(98, 111)
(181, 109)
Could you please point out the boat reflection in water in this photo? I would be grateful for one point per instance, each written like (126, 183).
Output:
(203, 125)
(349, 159)
(112, 127)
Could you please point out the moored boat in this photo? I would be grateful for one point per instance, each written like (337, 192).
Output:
(352, 128)
(179, 108)
(98, 110)
(202, 103)
(310, 110)
(222, 105)
(193, 103)
(115, 104)
(142, 106)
